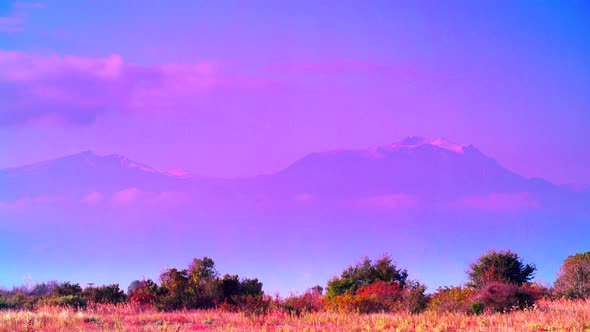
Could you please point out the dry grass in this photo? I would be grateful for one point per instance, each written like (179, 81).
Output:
(546, 316)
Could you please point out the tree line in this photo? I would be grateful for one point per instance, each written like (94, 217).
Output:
(497, 281)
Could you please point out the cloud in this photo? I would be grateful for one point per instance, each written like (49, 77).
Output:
(388, 201)
(55, 89)
(11, 24)
(92, 198)
(133, 195)
(27, 203)
(501, 202)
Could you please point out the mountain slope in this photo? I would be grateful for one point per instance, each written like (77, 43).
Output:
(81, 174)
(434, 170)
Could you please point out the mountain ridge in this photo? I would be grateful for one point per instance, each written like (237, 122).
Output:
(434, 169)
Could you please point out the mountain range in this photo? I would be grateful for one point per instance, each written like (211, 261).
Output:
(432, 171)
(433, 204)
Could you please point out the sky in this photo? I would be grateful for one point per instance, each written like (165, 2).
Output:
(237, 88)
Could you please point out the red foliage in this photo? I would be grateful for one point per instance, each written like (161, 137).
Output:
(498, 296)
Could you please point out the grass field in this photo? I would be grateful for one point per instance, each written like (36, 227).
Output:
(560, 315)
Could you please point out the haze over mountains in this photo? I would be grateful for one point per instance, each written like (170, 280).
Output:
(433, 170)
(432, 204)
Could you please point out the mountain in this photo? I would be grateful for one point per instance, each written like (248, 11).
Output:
(81, 174)
(433, 204)
(434, 170)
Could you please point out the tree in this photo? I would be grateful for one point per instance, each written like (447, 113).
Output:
(364, 273)
(500, 266)
(67, 289)
(202, 270)
(132, 286)
(573, 279)
(203, 283)
(147, 292)
(105, 294)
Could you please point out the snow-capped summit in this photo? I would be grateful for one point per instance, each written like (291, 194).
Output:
(415, 141)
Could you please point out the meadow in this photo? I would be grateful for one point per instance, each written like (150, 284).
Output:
(546, 315)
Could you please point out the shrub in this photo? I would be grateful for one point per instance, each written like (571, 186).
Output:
(310, 301)
(414, 299)
(380, 296)
(110, 294)
(373, 287)
(364, 273)
(573, 279)
(67, 289)
(500, 266)
(147, 293)
(72, 301)
(477, 307)
(451, 299)
(501, 297)
(253, 305)
(343, 303)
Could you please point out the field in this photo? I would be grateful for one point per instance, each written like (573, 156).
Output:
(562, 315)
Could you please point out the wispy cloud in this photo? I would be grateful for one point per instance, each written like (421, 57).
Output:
(134, 195)
(55, 89)
(11, 24)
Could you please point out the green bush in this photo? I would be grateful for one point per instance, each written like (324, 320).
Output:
(110, 294)
(500, 266)
(72, 301)
(364, 273)
(477, 307)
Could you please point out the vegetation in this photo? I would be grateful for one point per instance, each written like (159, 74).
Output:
(557, 315)
(573, 280)
(375, 295)
(500, 266)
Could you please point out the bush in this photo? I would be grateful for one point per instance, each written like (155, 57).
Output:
(110, 294)
(147, 293)
(72, 301)
(373, 287)
(380, 296)
(67, 289)
(364, 273)
(451, 299)
(477, 307)
(500, 266)
(573, 279)
(414, 299)
(310, 301)
(253, 305)
(502, 297)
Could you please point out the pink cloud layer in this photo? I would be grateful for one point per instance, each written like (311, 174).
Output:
(55, 89)
(134, 196)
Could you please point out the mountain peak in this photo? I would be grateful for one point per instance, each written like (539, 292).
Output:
(415, 141)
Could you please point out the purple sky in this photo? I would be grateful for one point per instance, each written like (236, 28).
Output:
(231, 89)
(241, 88)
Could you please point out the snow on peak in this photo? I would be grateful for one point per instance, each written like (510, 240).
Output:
(177, 172)
(415, 141)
